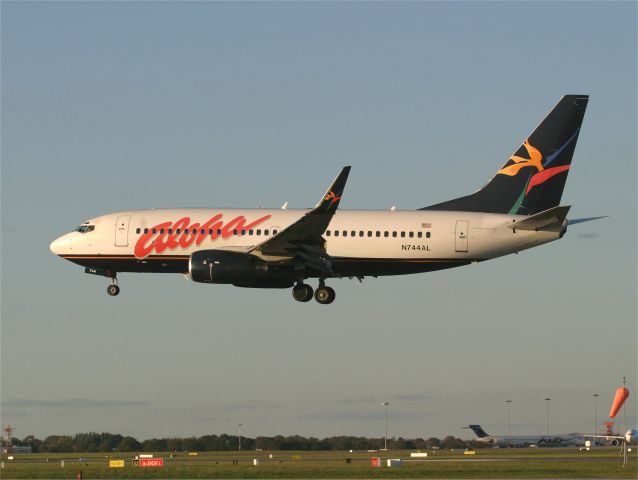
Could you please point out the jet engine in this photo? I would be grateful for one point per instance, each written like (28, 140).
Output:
(239, 269)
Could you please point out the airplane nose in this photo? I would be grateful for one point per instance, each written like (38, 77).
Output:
(55, 246)
(60, 244)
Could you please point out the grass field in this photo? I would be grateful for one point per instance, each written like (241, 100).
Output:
(492, 463)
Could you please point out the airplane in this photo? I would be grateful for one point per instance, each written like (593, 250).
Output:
(519, 208)
(524, 440)
(630, 438)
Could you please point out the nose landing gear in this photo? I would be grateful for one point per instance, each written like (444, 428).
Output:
(113, 288)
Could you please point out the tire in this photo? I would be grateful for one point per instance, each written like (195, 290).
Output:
(113, 290)
(325, 295)
(302, 292)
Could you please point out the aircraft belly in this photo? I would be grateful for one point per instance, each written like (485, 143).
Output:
(351, 267)
(128, 263)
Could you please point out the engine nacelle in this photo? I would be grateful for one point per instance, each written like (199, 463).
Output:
(220, 266)
(240, 269)
(631, 436)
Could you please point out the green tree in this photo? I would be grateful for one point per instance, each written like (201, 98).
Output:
(128, 444)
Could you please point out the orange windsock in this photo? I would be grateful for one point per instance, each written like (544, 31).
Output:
(621, 395)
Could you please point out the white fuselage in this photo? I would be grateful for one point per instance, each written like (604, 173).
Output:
(515, 440)
(386, 242)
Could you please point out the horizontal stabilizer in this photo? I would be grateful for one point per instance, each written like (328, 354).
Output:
(583, 220)
(552, 218)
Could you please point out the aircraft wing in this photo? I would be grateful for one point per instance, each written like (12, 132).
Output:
(304, 238)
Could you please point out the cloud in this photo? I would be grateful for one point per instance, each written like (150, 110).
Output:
(356, 416)
(413, 397)
(254, 405)
(397, 398)
(71, 403)
(359, 400)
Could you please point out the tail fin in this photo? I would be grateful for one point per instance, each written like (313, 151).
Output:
(478, 430)
(532, 180)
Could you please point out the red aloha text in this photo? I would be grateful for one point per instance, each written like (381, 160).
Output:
(197, 233)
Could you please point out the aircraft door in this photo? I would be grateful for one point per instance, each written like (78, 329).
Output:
(121, 230)
(462, 234)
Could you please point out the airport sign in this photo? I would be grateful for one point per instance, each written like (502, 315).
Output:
(151, 462)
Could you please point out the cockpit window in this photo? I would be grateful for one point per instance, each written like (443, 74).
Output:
(85, 228)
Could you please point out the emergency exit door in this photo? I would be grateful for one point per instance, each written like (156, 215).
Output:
(462, 234)
(121, 230)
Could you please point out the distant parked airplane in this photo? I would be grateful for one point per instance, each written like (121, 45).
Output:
(524, 440)
(518, 209)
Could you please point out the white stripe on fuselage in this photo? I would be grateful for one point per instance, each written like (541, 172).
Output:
(488, 235)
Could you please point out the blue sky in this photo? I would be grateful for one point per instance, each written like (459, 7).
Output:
(111, 106)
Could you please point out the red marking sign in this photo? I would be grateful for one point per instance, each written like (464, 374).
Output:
(158, 238)
(151, 462)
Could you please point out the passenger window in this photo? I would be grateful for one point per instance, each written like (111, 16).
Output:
(427, 234)
(353, 233)
(361, 233)
(178, 231)
(154, 231)
(327, 233)
(378, 233)
(219, 231)
(146, 230)
(185, 231)
(259, 231)
(336, 233)
(210, 231)
(234, 232)
(170, 231)
(202, 231)
(386, 234)
(402, 234)
(137, 231)
(420, 234)
(250, 232)
(266, 232)
(345, 233)
(369, 233)
(274, 232)
(411, 234)
(394, 234)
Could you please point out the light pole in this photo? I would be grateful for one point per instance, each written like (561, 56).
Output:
(547, 419)
(385, 406)
(595, 395)
(239, 437)
(624, 410)
(509, 433)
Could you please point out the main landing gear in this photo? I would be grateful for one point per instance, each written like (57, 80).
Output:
(302, 292)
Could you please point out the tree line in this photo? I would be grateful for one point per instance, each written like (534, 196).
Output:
(109, 442)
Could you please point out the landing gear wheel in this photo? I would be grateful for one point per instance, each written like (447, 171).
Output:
(112, 290)
(302, 292)
(324, 295)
